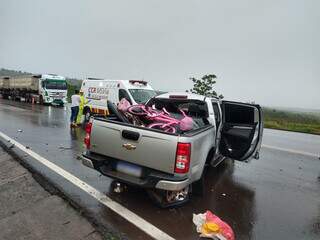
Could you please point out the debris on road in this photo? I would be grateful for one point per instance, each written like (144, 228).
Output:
(211, 226)
(118, 187)
(65, 148)
(20, 130)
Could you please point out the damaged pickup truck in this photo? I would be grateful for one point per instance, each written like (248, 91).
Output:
(168, 164)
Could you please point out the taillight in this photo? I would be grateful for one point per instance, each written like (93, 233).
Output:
(178, 96)
(88, 132)
(183, 155)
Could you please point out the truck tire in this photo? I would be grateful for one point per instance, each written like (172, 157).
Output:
(210, 157)
(198, 187)
(41, 100)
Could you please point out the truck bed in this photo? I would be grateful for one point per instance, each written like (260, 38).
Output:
(147, 147)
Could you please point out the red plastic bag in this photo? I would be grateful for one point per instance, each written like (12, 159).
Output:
(211, 226)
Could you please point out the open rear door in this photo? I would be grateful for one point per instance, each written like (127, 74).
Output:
(242, 130)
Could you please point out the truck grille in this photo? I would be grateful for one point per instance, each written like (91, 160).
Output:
(57, 94)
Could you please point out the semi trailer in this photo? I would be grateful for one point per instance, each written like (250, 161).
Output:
(42, 88)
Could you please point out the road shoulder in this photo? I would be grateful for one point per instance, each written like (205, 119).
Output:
(28, 211)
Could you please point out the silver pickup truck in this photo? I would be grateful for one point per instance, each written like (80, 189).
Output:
(166, 163)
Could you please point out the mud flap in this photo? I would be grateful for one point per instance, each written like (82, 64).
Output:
(198, 187)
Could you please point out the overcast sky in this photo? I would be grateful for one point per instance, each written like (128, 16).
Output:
(262, 51)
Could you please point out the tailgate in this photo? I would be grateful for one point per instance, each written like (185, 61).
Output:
(143, 147)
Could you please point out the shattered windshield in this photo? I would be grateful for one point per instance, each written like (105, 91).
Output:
(142, 95)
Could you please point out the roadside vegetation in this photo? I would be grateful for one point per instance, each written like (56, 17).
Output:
(205, 86)
(72, 85)
(292, 121)
(9, 72)
(305, 122)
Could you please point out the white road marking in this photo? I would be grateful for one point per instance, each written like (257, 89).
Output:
(136, 220)
(291, 151)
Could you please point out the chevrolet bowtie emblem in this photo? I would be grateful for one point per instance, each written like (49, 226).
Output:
(129, 146)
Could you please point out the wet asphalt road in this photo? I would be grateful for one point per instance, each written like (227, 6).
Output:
(275, 197)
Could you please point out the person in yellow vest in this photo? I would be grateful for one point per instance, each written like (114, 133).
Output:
(83, 101)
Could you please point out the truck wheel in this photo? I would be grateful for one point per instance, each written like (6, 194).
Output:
(41, 100)
(198, 187)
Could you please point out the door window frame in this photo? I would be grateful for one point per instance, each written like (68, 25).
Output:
(216, 112)
(125, 95)
(259, 130)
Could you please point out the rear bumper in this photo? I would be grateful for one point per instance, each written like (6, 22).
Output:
(150, 179)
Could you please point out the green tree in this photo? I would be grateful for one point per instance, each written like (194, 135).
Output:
(71, 91)
(205, 86)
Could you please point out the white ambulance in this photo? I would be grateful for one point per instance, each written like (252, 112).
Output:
(98, 91)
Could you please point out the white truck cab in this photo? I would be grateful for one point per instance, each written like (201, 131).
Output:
(98, 91)
(52, 89)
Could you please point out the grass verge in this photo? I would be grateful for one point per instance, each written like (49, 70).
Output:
(292, 121)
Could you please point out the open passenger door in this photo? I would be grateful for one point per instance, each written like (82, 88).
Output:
(242, 129)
